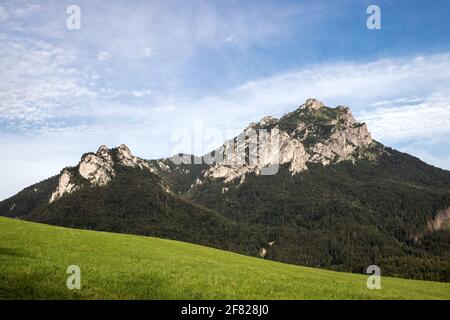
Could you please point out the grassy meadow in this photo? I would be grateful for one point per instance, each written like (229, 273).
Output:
(34, 258)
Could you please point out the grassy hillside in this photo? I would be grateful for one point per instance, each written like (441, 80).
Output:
(34, 258)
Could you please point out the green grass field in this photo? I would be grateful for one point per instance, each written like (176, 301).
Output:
(34, 258)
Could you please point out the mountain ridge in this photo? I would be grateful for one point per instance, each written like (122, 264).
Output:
(338, 199)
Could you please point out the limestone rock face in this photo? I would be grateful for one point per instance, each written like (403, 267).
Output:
(313, 133)
(264, 122)
(312, 104)
(125, 156)
(104, 153)
(227, 172)
(289, 151)
(64, 186)
(342, 141)
(98, 169)
(247, 155)
(127, 159)
(340, 145)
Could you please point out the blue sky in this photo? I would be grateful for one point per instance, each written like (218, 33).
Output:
(161, 76)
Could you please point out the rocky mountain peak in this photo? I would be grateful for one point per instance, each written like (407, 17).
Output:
(104, 153)
(123, 149)
(312, 104)
(314, 133)
(127, 159)
(98, 169)
(345, 115)
(102, 149)
(125, 156)
(267, 120)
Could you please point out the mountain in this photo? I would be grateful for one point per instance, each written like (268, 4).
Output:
(311, 188)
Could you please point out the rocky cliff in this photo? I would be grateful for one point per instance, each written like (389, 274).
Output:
(97, 169)
(313, 133)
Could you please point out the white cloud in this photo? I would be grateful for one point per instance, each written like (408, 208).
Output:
(37, 79)
(112, 93)
(40, 82)
(356, 84)
(399, 101)
(426, 119)
(400, 98)
(175, 30)
(103, 56)
(141, 93)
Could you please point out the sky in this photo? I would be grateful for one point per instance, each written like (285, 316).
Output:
(182, 76)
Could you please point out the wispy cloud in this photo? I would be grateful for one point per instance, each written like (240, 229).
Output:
(38, 78)
(41, 83)
(428, 118)
(103, 56)
(399, 98)
(178, 64)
